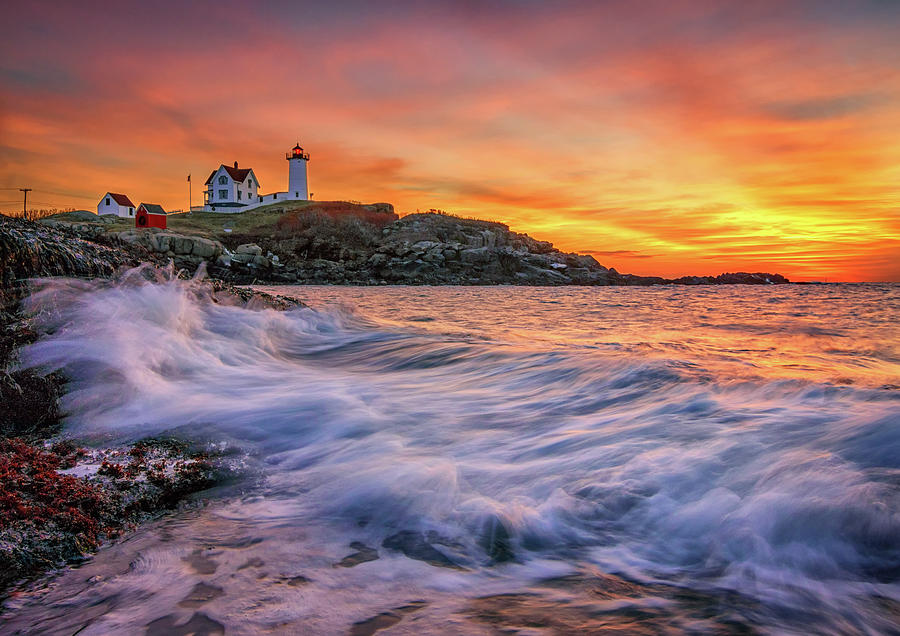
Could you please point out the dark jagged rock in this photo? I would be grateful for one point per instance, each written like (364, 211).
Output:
(363, 554)
(198, 625)
(415, 546)
(495, 540)
(384, 620)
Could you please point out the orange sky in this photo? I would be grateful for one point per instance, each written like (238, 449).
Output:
(666, 138)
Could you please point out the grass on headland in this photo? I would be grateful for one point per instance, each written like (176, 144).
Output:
(207, 224)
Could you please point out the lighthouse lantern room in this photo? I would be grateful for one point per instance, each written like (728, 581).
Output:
(298, 187)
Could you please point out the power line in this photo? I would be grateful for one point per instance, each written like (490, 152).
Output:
(54, 205)
(66, 194)
(55, 193)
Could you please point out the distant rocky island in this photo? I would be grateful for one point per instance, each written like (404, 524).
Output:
(344, 243)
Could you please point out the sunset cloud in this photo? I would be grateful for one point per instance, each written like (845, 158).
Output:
(713, 136)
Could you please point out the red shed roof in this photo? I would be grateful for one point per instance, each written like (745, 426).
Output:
(153, 208)
(121, 199)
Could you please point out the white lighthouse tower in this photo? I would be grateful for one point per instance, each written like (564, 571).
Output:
(298, 187)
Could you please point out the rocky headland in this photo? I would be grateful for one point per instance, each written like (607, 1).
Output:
(348, 244)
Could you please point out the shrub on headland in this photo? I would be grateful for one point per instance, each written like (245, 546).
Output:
(350, 231)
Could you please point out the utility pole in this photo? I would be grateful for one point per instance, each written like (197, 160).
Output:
(25, 202)
(190, 198)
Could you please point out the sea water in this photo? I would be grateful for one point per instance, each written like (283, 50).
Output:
(477, 460)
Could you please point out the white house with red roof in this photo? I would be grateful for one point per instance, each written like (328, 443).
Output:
(230, 187)
(234, 189)
(115, 203)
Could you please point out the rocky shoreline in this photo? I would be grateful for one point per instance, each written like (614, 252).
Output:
(59, 501)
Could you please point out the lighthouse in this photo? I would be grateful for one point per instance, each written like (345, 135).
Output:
(298, 187)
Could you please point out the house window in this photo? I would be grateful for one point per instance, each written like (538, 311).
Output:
(107, 200)
(275, 195)
(223, 194)
(239, 195)
(223, 180)
(296, 194)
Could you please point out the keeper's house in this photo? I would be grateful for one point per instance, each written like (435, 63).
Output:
(231, 187)
(150, 215)
(118, 204)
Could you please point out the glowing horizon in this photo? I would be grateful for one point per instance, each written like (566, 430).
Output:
(670, 139)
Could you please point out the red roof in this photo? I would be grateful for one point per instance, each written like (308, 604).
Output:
(238, 174)
(121, 199)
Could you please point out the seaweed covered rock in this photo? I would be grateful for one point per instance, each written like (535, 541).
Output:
(30, 250)
(49, 515)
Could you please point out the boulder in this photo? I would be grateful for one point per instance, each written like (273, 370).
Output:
(206, 248)
(129, 236)
(163, 241)
(78, 215)
(476, 256)
(424, 246)
(181, 245)
(415, 546)
(249, 248)
(378, 259)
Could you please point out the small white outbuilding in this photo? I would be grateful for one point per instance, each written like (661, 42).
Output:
(118, 204)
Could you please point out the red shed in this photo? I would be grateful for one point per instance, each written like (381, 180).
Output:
(150, 215)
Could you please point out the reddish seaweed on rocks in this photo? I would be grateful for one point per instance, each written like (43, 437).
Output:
(60, 502)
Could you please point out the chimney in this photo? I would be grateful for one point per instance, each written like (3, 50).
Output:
(235, 165)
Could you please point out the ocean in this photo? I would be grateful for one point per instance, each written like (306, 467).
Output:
(484, 460)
